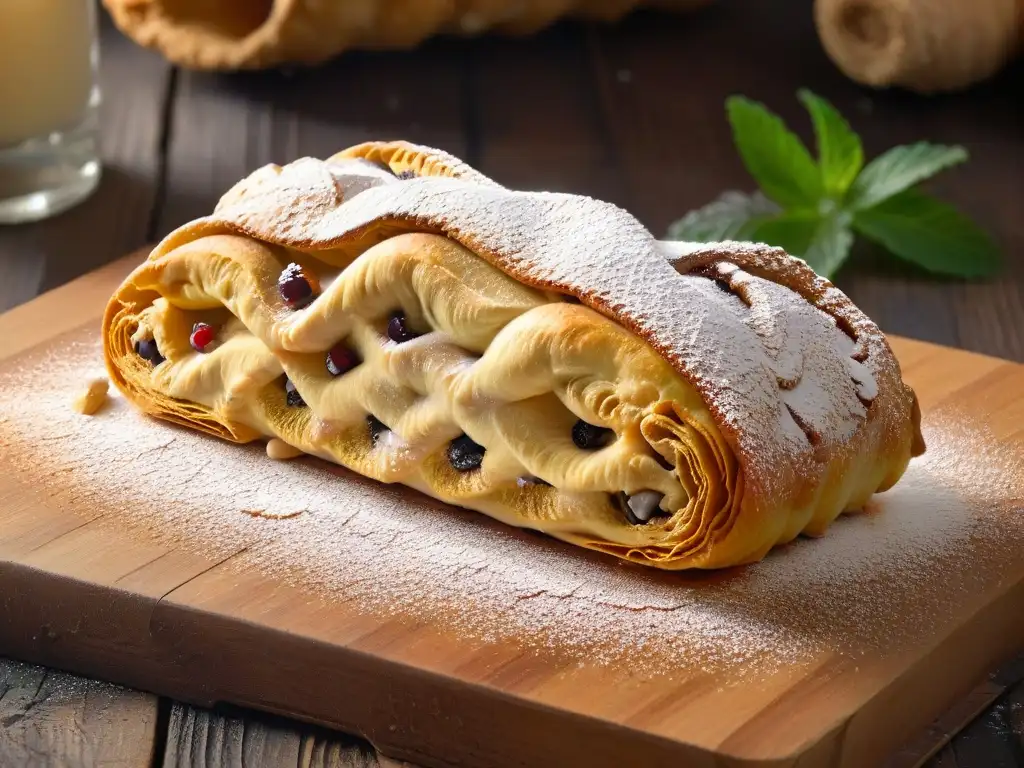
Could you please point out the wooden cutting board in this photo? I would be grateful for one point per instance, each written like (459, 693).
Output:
(164, 560)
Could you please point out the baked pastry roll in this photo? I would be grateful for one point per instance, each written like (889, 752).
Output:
(537, 357)
(247, 34)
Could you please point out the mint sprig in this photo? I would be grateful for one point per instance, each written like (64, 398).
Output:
(775, 157)
(840, 153)
(900, 169)
(813, 208)
(733, 216)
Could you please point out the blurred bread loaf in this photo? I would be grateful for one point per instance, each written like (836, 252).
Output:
(249, 34)
(922, 45)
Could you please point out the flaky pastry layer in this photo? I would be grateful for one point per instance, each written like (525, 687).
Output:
(514, 348)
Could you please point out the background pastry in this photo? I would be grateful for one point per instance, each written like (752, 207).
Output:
(537, 357)
(923, 45)
(244, 34)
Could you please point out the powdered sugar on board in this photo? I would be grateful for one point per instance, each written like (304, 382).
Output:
(878, 583)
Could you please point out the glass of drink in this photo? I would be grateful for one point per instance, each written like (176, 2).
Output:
(49, 97)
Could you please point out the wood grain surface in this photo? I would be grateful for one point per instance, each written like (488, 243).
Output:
(100, 583)
(52, 719)
(632, 114)
(198, 738)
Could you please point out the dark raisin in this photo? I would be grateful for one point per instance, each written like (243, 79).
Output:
(377, 428)
(341, 359)
(292, 396)
(296, 287)
(464, 455)
(148, 350)
(590, 437)
(407, 174)
(398, 330)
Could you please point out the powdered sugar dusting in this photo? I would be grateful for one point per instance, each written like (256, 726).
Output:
(736, 356)
(879, 582)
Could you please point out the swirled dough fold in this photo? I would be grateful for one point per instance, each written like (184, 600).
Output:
(537, 357)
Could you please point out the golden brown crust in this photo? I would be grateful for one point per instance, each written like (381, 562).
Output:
(802, 387)
(301, 206)
(248, 34)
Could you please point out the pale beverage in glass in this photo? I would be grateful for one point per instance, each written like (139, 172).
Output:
(48, 106)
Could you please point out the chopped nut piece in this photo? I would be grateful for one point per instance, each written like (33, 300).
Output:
(93, 398)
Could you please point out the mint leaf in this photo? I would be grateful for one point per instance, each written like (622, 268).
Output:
(840, 153)
(824, 243)
(793, 233)
(931, 234)
(727, 218)
(775, 157)
(813, 209)
(830, 247)
(900, 169)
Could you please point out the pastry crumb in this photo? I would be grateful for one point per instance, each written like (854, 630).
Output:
(279, 450)
(93, 397)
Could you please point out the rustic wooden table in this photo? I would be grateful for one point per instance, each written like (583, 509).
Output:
(633, 115)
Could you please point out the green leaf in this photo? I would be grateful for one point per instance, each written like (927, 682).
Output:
(830, 247)
(727, 218)
(931, 234)
(775, 157)
(793, 232)
(900, 169)
(840, 153)
(824, 243)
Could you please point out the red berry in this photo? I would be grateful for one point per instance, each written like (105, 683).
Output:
(341, 359)
(202, 336)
